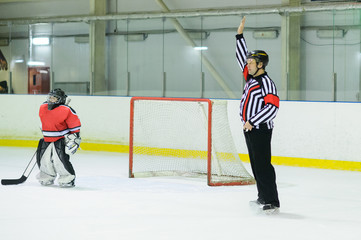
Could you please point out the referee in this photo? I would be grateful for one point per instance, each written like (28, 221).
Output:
(259, 106)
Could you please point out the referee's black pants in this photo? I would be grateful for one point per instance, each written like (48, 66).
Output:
(259, 149)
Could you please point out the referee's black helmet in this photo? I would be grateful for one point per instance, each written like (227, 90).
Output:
(259, 56)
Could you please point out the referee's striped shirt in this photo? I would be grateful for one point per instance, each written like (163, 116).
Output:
(259, 102)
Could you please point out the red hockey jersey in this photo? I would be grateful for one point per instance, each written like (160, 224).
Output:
(57, 122)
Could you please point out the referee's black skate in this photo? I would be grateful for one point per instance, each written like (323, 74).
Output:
(270, 209)
(261, 208)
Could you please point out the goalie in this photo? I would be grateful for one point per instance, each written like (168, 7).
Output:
(60, 126)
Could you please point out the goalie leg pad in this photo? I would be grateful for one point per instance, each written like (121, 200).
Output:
(47, 172)
(53, 161)
(62, 164)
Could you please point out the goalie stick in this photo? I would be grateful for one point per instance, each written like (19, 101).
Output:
(29, 168)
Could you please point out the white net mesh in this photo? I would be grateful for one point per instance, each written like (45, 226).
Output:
(171, 138)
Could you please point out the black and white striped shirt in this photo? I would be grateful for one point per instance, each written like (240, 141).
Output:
(259, 102)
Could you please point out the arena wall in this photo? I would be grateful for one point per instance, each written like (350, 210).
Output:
(306, 134)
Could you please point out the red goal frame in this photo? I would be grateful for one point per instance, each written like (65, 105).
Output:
(209, 137)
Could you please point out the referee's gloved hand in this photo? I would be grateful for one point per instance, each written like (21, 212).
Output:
(72, 143)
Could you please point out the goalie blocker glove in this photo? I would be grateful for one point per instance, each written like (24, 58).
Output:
(72, 142)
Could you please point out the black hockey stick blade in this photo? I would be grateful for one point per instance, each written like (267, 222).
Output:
(29, 168)
(14, 181)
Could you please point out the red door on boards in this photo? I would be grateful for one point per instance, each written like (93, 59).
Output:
(38, 80)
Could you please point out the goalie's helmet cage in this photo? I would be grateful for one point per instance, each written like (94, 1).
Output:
(59, 94)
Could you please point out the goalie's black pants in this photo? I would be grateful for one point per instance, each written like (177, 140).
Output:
(259, 149)
(52, 161)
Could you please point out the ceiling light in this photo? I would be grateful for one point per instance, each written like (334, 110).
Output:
(36, 63)
(41, 41)
(200, 48)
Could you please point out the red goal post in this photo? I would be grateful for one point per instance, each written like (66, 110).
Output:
(186, 137)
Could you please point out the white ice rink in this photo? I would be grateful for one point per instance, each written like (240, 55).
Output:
(106, 204)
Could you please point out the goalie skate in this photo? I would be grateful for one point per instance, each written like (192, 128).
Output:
(67, 185)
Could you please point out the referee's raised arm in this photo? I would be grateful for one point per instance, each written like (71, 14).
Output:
(241, 26)
(241, 49)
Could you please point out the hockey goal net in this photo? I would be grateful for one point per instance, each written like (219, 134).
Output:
(186, 137)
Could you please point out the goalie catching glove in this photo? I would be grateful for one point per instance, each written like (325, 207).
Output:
(72, 142)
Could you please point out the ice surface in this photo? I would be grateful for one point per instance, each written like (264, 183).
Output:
(106, 204)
